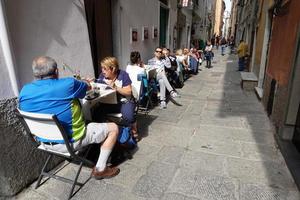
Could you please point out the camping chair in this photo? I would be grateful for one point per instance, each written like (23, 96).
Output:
(145, 100)
(47, 126)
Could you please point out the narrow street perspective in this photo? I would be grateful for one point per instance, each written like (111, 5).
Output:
(219, 145)
(150, 99)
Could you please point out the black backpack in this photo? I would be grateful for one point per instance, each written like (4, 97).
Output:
(173, 62)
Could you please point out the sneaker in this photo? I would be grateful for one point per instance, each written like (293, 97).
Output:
(175, 94)
(108, 172)
(163, 105)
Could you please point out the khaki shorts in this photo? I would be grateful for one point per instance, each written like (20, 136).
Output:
(95, 133)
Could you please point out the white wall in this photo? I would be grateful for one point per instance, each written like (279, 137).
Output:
(172, 24)
(135, 14)
(6, 90)
(56, 28)
(185, 37)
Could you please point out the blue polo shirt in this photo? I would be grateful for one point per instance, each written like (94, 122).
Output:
(59, 97)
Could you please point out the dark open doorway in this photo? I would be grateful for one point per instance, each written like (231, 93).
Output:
(296, 138)
(99, 22)
(163, 26)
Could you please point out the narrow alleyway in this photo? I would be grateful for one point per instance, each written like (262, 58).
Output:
(218, 145)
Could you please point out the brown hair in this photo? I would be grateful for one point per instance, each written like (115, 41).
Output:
(111, 63)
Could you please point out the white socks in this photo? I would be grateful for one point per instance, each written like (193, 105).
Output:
(102, 160)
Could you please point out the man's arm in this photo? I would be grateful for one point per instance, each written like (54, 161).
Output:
(166, 62)
(79, 88)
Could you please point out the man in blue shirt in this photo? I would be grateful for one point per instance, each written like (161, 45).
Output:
(60, 96)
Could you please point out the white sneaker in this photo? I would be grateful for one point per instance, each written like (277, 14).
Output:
(163, 105)
(175, 94)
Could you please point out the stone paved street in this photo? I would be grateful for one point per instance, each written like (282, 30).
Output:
(219, 145)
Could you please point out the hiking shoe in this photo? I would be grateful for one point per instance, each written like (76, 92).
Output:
(108, 172)
(163, 105)
(174, 94)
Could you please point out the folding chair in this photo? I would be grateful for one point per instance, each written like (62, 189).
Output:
(145, 94)
(47, 126)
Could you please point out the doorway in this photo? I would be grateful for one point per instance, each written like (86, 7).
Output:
(293, 115)
(99, 22)
(296, 138)
(163, 26)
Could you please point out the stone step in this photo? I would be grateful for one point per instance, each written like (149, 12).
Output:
(248, 80)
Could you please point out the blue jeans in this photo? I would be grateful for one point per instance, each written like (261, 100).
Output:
(222, 49)
(241, 64)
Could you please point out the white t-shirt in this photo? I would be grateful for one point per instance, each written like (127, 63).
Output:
(133, 71)
(208, 48)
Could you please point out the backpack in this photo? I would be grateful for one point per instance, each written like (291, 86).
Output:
(173, 62)
(125, 138)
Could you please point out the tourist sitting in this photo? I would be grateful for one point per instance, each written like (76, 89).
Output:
(118, 80)
(172, 72)
(160, 62)
(50, 94)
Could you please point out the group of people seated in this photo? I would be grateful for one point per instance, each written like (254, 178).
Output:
(50, 94)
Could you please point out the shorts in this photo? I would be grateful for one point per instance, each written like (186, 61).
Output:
(95, 133)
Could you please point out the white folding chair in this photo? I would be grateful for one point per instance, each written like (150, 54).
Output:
(47, 126)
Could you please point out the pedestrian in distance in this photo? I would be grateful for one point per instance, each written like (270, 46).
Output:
(208, 54)
(223, 45)
(242, 51)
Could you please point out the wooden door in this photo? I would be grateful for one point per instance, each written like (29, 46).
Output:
(99, 22)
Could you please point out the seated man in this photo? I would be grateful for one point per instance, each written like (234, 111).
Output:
(60, 96)
(160, 62)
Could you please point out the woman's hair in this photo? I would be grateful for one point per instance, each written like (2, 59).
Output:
(43, 66)
(134, 57)
(178, 52)
(110, 63)
(185, 51)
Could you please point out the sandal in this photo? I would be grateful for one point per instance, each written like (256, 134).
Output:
(136, 136)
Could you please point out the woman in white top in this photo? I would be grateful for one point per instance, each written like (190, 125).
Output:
(208, 54)
(134, 69)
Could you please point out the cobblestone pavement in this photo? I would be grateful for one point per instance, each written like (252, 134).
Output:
(218, 145)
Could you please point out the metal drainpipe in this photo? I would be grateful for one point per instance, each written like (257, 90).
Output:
(8, 56)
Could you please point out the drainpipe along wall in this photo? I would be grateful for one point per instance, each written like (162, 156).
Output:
(6, 48)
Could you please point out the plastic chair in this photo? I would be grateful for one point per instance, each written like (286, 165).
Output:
(41, 127)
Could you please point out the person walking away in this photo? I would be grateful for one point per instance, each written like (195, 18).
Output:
(223, 46)
(208, 54)
(231, 44)
(217, 41)
(242, 52)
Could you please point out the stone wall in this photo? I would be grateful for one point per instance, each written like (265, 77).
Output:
(20, 162)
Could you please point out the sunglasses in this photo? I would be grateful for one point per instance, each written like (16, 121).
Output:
(158, 51)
